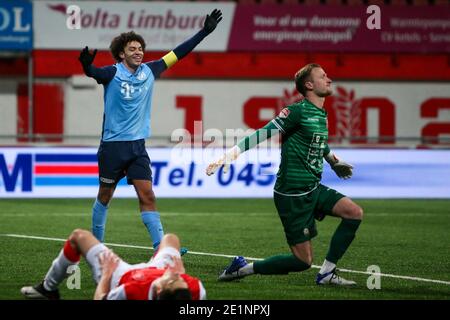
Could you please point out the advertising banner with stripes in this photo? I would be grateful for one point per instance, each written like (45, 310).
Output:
(180, 173)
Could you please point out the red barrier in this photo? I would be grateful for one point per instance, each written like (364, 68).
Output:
(48, 111)
(353, 66)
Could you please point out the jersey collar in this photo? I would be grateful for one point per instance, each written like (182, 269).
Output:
(310, 104)
(124, 68)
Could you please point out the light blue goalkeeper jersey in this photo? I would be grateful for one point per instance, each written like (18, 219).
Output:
(128, 102)
(128, 96)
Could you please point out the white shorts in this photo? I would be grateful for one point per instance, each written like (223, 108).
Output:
(161, 260)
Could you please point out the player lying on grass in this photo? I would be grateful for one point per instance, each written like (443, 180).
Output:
(299, 196)
(161, 278)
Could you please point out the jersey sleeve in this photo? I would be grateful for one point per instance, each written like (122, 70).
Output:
(182, 50)
(257, 137)
(101, 75)
(288, 120)
(118, 293)
(187, 46)
(157, 67)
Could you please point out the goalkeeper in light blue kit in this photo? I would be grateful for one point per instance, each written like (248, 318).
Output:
(299, 196)
(128, 88)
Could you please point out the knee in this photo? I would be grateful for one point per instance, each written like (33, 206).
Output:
(104, 200)
(305, 257)
(78, 235)
(357, 213)
(308, 260)
(104, 196)
(353, 212)
(171, 237)
(170, 240)
(147, 197)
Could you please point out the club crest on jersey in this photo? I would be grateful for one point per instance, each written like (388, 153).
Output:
(139, 275)
(284, 113)
(141, 76)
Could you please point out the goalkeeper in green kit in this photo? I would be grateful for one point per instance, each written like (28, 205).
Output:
(299, 196)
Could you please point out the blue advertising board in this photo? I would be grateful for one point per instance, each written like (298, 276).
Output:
(16, 25)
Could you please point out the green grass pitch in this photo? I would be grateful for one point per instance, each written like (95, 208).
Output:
(406, 238)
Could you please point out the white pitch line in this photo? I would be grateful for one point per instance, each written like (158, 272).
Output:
(232, 256)
(201, 214)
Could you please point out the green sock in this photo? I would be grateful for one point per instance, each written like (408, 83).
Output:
(281, 264)
(342, 238)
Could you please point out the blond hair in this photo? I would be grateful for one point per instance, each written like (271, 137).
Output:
(304, 75)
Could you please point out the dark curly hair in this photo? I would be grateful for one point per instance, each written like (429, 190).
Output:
(177, 294)
(119, 43)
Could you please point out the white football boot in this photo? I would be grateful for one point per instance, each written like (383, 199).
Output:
(333, 278)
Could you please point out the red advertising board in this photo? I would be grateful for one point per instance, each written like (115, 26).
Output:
(346, 29)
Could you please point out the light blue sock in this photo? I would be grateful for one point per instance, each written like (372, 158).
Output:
(99, 213)
(152, 221)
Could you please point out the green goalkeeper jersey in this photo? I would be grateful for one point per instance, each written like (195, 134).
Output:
(304, 143)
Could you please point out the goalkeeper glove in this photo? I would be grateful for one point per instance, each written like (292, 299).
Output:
(212, 20)
(86, 58)
(341, 168)
(229, 156)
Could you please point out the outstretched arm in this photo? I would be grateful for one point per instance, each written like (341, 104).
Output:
(260, 135)
(243, 145)
(186, 47)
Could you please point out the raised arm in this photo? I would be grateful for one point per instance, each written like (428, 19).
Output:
(102, 75)
(159, 66)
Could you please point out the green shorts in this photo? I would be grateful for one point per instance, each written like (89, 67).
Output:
(298, 213)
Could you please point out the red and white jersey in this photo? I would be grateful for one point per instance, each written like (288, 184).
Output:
(136, 284)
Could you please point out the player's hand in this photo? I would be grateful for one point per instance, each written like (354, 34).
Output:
(177, 266)
(343, 169)
(224, 161)
(109, 262)
(86, 58)
(212, 20)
